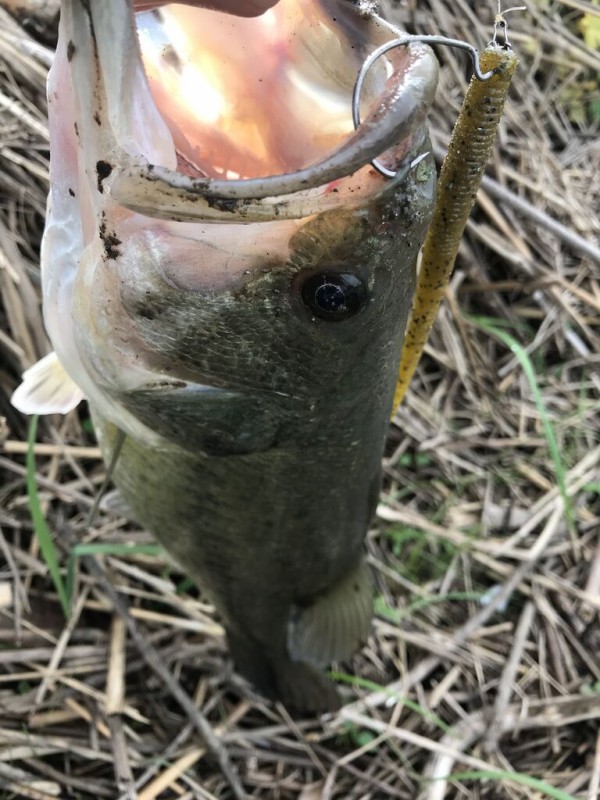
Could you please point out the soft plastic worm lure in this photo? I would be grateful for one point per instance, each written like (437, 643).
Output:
(463, 168)
(470, 147)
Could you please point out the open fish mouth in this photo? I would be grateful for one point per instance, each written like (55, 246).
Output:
(250, 118)
(246, 98)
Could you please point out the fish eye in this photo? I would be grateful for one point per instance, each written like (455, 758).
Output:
(333, 296)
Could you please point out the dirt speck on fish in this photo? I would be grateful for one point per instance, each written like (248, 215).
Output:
(227, 280)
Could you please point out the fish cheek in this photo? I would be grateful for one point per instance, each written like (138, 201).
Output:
(182, 339)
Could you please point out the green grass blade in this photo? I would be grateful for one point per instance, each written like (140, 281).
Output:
(363, 683)
(117, 549)
(42, 531)
(398, 614)
(512, 777)
(491, 327)
(107, 549)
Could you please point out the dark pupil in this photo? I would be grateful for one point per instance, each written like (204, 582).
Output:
(333, 295)
(330, 297)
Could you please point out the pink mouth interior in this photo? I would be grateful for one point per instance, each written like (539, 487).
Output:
(248, 98)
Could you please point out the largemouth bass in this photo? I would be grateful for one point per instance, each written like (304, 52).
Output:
(227, 280)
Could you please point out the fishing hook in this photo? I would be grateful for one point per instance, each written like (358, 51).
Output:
(401, 42)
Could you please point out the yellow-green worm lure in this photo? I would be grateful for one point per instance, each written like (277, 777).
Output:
(460, 177)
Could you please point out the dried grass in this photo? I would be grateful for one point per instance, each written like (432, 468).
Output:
(484, 655)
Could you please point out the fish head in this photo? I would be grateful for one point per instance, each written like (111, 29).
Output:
(223, 267)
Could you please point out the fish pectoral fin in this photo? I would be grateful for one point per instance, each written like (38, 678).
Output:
(46, 389)
(334, 624)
